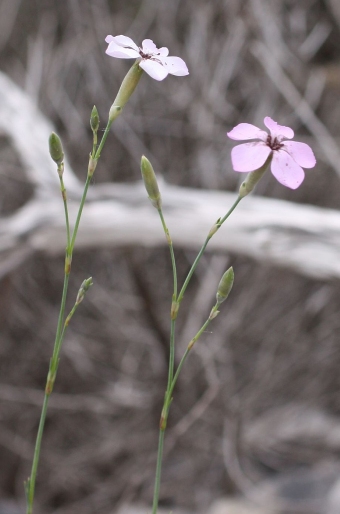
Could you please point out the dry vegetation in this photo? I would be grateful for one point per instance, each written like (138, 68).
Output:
(276, 341)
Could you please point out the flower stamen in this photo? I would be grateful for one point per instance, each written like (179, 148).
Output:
(274, 144)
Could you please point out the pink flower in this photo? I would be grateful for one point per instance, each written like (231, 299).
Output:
(288, 157)
(155, 61)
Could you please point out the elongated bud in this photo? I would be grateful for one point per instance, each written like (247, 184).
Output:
(214, 228)
(225, 286)
(94, 119)
(128, 86)
(253, 178)
(83, 289)
(56, 148)
(150, 182)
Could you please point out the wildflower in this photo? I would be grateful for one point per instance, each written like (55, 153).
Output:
(155, 61)
(287, 157)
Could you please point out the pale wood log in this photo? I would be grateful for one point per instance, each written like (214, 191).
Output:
(301, 237)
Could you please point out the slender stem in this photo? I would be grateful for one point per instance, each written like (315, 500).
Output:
(171, 365)
(174, 299)
(32, 479)
(172, 379)
(66, 323)
(158, 471)
(166, 407)
(219, 223)
(87, 183)
(95, 143)
(171, 248)
(190, 346)
(80, 211)
(63, 194)
(172, 353)
(61, 317)
(103, 139)
(48, 391)
(60, 332)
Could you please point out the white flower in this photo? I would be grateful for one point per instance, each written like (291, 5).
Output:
(155, 61)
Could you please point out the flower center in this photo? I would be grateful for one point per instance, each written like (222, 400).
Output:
(273, 143)
(143, 55)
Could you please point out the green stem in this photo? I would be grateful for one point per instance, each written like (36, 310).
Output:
(166, 407)
(60, 329)
(80, 211)
(219, 223)
(66, 323)
(172, 353)
(48, 391)
(190, 346)
(171, 248)
(158, 471)
(103, 139)
(32, 479)
(63, 194)
(171, 364)
(174, 299)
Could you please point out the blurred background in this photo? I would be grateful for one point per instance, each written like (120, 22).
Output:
(256, 411)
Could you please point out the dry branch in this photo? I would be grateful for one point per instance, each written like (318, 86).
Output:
(300, 237)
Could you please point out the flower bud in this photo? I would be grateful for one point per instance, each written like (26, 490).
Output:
(128, 86)
(214, 228)
(253, 178)
(150, 182)
(56, 148)
(94, 119)
(87, 283)
(225, 286)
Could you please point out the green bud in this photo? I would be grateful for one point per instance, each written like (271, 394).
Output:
(225, 286)
(128, 86)
(214, 228)
(150, 182)
(94, 119)
(56, 148)
(83, 289)
(253, 178)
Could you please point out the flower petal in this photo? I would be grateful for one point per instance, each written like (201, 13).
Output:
(126, 42)
(120, 52)
(175, 66)
(276, 130)
(249, 156)
(154, 69)
(286, 170)
(163, 52)
(301, 153)
(149, 47)
(247, 131)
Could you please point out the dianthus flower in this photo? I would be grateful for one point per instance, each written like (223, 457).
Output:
(155, 61)
(287, 157)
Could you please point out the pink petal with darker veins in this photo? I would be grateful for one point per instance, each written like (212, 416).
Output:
(249, 156)
(154, 69)
(277, 130)
(286, 170)
(301, 153)
(244, 131)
